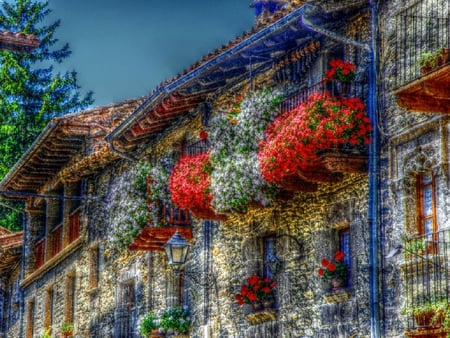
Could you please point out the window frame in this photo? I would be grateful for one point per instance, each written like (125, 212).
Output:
(420, 209)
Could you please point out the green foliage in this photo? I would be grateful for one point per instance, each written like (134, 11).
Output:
(67, 328)
(148, 324)
(32, 93)
(176, 319)
(47, 333)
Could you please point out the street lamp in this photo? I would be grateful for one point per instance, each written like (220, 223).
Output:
(177, 249)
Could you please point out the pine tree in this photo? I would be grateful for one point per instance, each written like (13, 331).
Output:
(31, 92)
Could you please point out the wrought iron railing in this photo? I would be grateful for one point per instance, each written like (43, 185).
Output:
(426, 272)
(336, 88)
(423, 27)
(198, 147)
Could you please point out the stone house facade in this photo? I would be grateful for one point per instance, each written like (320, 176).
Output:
(95, 235)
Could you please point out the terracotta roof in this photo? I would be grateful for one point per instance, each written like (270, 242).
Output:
(18, 41)
(253, 52)
(64, 142)
(10, 249)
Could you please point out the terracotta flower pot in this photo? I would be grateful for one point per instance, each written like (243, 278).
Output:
(267, 304)
(337, 283)
(257, 306)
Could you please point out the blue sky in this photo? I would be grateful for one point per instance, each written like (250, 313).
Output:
(124, 49)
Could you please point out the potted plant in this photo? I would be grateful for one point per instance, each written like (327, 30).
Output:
(427, 62)
(295, 139)
(340, 70)
(430, 60)
(431, 312)
(149, 326)
(235, 132)
(334, 271)
(176, 321)
(257, 291)
(67, 329)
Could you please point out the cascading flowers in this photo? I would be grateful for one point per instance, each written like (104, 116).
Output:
(295, 138)
(189, 182)
(234, 134)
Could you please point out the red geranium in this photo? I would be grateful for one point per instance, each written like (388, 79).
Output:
(294, 139)
(189, 182)
(341, 70)
(256, 289)
(330, 269)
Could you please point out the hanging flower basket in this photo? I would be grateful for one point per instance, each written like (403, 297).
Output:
(297, 138)
(189, 185)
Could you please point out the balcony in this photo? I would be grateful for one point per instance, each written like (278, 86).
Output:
(423, 29)
(426, 269)
(153, 238)
(332, 163)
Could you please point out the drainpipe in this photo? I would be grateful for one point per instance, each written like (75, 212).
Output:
(373, 216)
(373, 177)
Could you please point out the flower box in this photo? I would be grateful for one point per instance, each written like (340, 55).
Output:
(299, 141)
(339, 161)
(207, 213)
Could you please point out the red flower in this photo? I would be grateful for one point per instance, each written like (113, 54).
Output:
(189, 182)
(339, 256)
(256, 289)
(295, 138)
(341, 71)
(251, 296)
(203, 135)
(336, 268)
(331, 267)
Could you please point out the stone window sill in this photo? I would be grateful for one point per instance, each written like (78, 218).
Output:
(262, 316)
(338, 296)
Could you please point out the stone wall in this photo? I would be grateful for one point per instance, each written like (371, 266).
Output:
(10, 304)
(303, 227)
(410, 142)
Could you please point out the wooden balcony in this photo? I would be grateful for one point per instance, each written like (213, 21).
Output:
(154, 238)
(428, 93)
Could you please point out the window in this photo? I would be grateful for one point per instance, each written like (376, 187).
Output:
(30, 319)
(69, 310)
(39, 254)
(94, 265)
(48, 309)
(344, 246)
(270, 259)
(56, 241)
(74, 226)
(426, 208)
